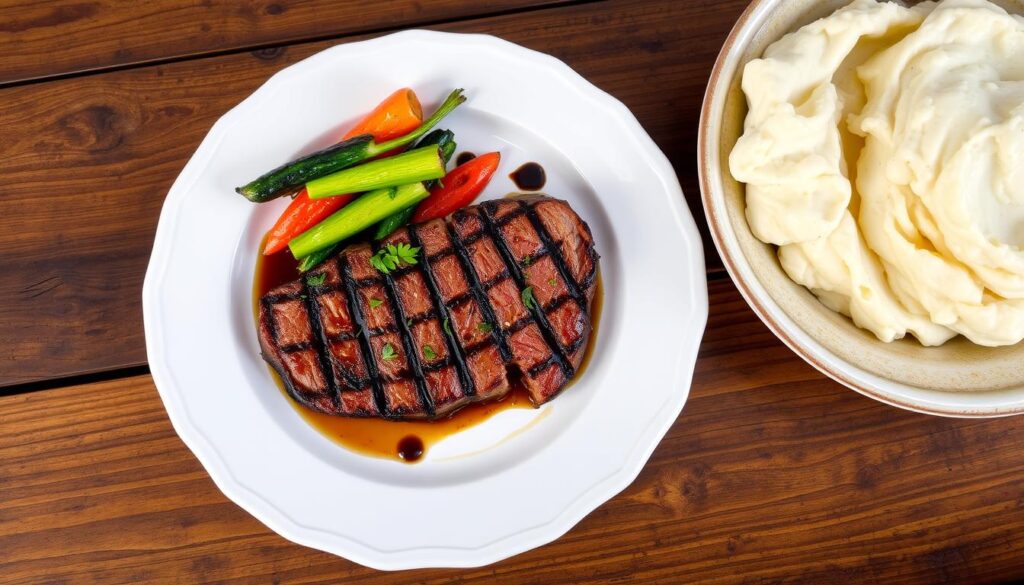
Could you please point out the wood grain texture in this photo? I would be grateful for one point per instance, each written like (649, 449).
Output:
(97, 34)
(87, 162)
(771, 474)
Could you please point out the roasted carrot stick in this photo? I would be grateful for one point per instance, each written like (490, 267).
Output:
(302, 213)
(396, 116)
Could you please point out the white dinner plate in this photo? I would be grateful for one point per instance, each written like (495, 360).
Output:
(518, 480)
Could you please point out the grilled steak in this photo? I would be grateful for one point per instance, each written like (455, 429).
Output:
(501, 289)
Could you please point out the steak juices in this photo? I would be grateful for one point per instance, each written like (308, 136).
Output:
(499, 290)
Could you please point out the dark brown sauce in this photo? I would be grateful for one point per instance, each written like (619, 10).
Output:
(410, 449)
(271, 272)
(596, 308)
(390, 439)
(405, 441)
(463, 158)
(529, 177)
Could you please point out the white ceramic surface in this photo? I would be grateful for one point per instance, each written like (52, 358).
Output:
(519, 480)
(958, 379)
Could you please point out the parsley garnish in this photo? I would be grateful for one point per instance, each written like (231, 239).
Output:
(392, 256)
(527, 297)
(316, 280)
(428, 352)
(447, 327)
(552, 281)
(388, 352)
(527, 260)
(408, 323)
(484, 327)
(374, 303)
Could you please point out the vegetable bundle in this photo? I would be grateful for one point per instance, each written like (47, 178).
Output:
(288, 178)
(367, 180)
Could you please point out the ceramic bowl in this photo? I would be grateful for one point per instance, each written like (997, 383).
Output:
(957, 379)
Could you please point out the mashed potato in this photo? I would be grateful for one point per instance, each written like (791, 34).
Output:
(883, 153)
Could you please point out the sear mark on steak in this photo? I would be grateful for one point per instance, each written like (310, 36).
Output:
(428, 339)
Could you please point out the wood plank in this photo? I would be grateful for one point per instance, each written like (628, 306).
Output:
(111, 33)
(87, 162)
(771, 473)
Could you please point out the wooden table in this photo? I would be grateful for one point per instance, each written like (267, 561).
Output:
(772, 472)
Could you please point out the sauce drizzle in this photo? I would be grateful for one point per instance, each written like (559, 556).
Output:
(529, 177)
(411, 448)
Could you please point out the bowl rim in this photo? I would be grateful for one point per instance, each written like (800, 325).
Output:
(820, 358)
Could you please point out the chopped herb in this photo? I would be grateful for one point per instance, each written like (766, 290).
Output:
(388, 352)
(428, 352)
(378, 263)
(527, 297)
(316, 279)
(527, 260)
(552, 281)
(484, 327)
(303, 297)
(393, 192)
(408, 323)
(374, 303)
(447, 327)
(392, 256)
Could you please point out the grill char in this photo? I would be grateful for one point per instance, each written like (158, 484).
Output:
(457, 323)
